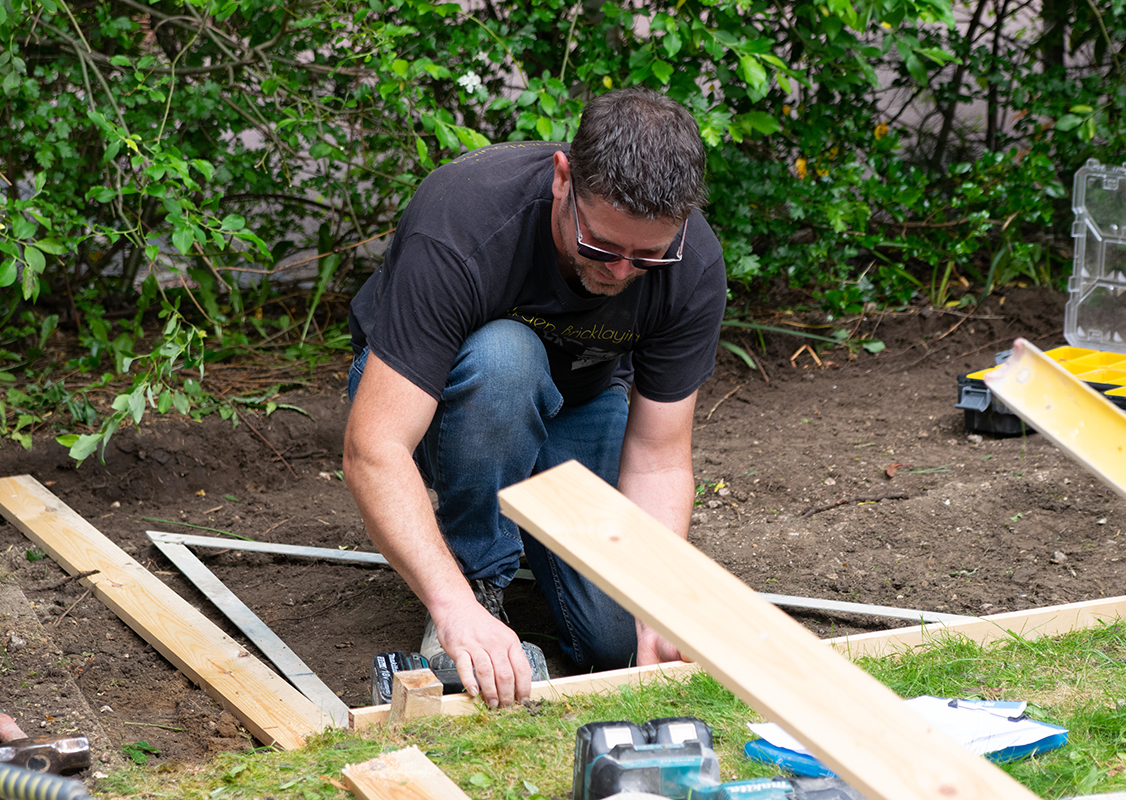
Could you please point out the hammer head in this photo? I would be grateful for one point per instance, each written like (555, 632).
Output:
(47, 754)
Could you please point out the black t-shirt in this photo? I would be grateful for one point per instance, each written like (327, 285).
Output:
(475, 245)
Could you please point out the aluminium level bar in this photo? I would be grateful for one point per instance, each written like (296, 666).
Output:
(289, 664)
(375, 558)
(327, 553)
(861, 608)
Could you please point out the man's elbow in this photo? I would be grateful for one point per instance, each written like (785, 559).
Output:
(349, 462)
(360, 455)
(368, 455)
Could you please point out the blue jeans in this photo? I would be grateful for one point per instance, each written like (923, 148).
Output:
(501, 420)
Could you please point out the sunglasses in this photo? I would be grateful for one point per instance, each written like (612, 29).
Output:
(598, 254)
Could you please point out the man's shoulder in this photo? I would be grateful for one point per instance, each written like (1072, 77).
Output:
(482, 187)
(702, 246)
(511, 150)
(502, 162)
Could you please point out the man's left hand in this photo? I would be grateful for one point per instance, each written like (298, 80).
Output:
(652, 648)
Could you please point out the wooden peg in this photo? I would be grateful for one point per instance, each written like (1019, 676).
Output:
(415, 693)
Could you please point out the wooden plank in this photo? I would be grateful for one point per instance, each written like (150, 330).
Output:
(846, 718)
(269, 707)
(1083, 423)
(415, 693)
(1028, 624)
(554, 689)
(402, 775)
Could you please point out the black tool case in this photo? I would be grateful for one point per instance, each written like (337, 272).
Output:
(1104, 372)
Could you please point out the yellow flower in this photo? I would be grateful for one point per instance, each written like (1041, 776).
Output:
(786, 111)
(607, 81)
(886, 26)
(799, 167)
(881, 130)
(821, 173)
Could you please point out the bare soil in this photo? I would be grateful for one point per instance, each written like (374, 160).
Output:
(971, 523)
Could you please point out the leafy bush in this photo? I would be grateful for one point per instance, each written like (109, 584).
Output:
(218, 143)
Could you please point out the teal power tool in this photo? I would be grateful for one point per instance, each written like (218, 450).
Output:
(669, 757)
(385, 665)
(673, 758)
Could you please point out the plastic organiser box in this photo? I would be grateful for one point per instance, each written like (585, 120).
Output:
(1095, 315)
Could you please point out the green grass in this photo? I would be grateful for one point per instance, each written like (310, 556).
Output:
(1077, 680)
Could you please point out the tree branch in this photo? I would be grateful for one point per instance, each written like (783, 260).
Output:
(956, 83)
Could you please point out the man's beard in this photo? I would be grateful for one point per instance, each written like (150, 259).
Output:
(587, 276)
(586, 272)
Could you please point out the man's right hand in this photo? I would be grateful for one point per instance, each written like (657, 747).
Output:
(480, 643)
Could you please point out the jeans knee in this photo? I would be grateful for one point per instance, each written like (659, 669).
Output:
(501, 365)
(612, 646)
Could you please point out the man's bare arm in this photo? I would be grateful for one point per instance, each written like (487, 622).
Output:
(656, 473)
(389, 417)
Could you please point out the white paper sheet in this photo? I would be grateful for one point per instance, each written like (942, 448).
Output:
(982, 726)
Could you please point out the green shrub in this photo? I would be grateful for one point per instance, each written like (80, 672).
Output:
(213, 141)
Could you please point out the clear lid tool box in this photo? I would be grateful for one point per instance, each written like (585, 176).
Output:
(1095, 315)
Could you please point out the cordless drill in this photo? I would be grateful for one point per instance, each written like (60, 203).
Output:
(673, 758)
(385, 665)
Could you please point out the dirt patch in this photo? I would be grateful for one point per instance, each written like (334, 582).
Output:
(971, 524)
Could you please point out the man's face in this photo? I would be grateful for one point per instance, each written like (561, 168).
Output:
(608, 228)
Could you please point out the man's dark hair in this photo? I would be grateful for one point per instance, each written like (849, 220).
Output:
(641, 151)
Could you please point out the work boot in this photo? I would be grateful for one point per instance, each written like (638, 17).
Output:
(488, 594)
(491, 597)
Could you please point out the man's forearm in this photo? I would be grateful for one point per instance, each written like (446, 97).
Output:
(389, 417)
(656, 464)
(667, 495)
(656, 474)
(400, 521)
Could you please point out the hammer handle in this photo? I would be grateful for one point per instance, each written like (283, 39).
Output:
(17, 783)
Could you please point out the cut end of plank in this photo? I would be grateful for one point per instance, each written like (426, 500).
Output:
(402, 775)
(1020, 346)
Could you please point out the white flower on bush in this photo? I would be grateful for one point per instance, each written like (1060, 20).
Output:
(470, 81)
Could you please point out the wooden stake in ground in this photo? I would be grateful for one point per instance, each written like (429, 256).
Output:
(415, 693)
(846, 718)
(268, 706)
